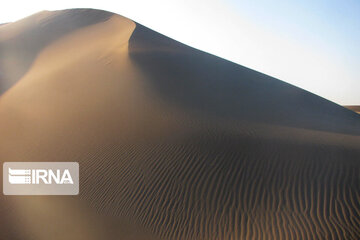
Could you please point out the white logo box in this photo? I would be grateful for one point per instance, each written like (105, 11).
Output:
(41, 178)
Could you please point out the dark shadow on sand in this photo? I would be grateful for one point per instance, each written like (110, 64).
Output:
(217, 88)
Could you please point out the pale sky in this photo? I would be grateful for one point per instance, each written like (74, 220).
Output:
(313, 44)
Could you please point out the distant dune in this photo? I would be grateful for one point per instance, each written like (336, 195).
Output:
(354, 108)
(172, 142)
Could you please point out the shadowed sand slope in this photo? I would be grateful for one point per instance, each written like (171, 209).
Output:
(172, 142)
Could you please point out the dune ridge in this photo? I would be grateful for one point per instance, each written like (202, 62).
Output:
(172, 142)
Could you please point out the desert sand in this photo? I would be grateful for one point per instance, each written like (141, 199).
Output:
(354, 108)
(172, 142)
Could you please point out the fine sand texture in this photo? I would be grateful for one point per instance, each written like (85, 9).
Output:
(172, 142)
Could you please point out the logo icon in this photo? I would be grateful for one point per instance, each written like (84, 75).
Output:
(41, 178)
(19, 176)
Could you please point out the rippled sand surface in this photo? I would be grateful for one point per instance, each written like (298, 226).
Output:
(172, 142)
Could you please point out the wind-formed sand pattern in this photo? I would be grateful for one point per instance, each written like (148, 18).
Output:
(172, 142)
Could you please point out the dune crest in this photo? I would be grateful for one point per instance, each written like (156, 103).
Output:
(172, 142)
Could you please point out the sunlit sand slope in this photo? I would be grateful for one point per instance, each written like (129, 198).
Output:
(172, 142)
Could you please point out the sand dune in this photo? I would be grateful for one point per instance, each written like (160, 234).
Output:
(354, 108)
(172, 142)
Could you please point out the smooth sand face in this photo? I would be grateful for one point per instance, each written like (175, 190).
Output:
(172, 143)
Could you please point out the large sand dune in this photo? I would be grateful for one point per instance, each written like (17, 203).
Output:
(172, 142)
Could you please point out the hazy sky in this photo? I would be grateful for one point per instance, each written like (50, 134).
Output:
(313, 44)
